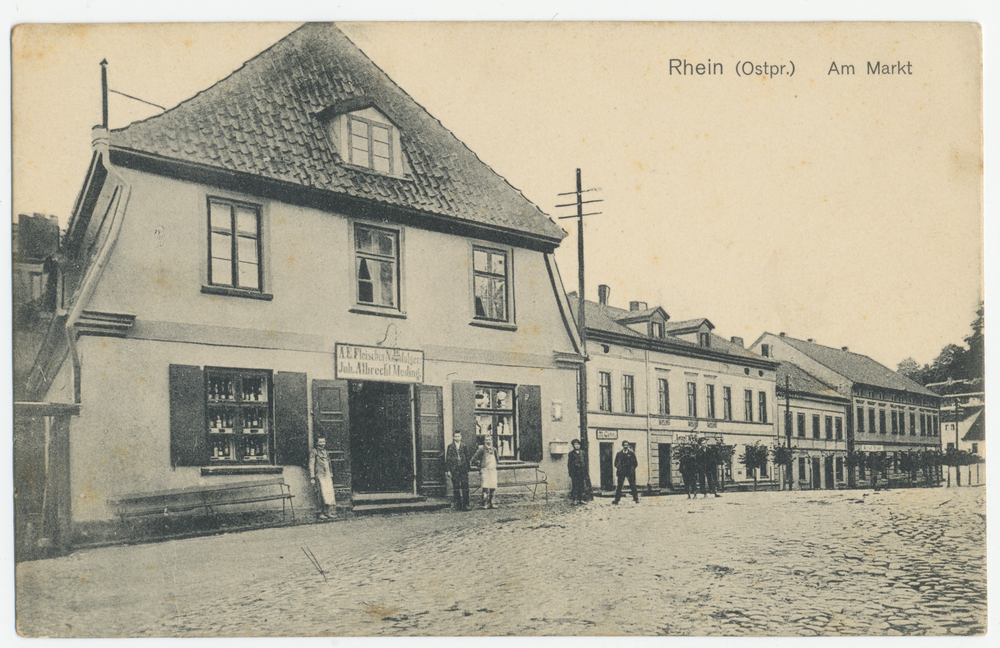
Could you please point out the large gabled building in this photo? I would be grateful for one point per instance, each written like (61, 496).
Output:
(657, 390)
(301, 250)
(888, 412)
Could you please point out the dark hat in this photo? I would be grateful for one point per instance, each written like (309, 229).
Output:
(626, 444)
(576, 442)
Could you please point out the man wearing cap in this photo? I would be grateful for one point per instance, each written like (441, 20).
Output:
(577, 472)
(625, 464)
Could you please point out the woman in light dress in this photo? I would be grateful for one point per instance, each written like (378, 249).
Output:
(322, 476)
(486, 458)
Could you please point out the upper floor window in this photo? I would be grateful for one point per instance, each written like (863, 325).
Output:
(913, 424)
(861, 419)
(840, 428)
(800, 424)
(828, 423)
(692, 395)
(871, 420)
(628, 394)
(881, 422)
(489, 284)
(370, 144)
(605, 384)
(234, 244)
(762, 406)
(664, 389)
(815, 426)
(748, 405)
(727, 403)
(376, 252)
(765, 350)
(710, 401)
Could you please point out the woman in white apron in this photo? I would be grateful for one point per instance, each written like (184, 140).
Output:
(486, 458)
(321, 476)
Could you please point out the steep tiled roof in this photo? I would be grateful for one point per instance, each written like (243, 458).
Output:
(263, 120)
(721, 343)
(603, 318)
(692, 324)
(801, 381)
(856, 367)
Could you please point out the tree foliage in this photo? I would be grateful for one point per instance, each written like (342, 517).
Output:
(954, 362)
(754, 458)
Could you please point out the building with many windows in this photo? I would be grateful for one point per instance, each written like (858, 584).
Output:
(647, 386)
(888, 412)
(299, 251)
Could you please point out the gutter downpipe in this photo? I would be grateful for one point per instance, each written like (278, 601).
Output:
(100, 144)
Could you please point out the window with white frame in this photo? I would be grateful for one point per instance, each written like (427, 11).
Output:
(692, 398)
(495, 417)
(604, 380)
(376, 252)
(727, 404)
(762, 407)
(710, 401)
(238, 412)
(370, 144)
(490, 283)
(748, 405)
(234, 244)
(628, 394)
(663, 387)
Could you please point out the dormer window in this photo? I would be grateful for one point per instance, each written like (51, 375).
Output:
(704, 339)
(765, 350)
(656, 329)
(367, 139)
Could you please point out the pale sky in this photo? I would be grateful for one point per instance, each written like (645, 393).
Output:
(842, 208)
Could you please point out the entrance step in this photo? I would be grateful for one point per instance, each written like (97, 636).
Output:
(383, 503)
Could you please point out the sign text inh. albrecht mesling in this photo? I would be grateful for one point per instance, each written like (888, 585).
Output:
(771, 70)
(379, 363)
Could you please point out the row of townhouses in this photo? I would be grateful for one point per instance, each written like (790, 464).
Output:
(302, 251)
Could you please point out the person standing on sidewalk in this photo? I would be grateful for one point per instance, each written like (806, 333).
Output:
(689, 474)
(486, 458)
(577, 472)
(457, 461)
(625, 465)
(321, 476)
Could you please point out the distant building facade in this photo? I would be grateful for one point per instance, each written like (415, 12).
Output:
(657, 390)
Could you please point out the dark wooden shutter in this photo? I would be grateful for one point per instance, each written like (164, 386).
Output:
(291, 419)
(430, 439)
(330, 420)
(463, 412)
(529, 421)
(188, 445)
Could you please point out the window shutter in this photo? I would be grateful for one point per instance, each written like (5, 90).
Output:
(291, 419)
(430, 439)
(529, 421)
(188, 445)
(330, 420)
(463, 414)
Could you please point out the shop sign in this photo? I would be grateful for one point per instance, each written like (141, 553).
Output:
(607, 435)
(382, 364)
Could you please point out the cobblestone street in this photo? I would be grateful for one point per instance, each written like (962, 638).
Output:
(902, 562)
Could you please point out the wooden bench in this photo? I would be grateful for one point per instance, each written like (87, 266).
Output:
(181, 500)
(522, 475)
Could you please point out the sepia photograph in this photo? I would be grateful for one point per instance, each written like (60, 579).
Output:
(576, 329)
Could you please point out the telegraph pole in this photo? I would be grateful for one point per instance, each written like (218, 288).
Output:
(788, 429)
(582, 322)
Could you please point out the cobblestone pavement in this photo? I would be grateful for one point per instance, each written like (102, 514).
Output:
(902, 562)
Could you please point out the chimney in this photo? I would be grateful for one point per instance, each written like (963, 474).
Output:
(810, 340)
(843, 348)
(603, 292)
(637, 306)
(782, 334)
(736, 340)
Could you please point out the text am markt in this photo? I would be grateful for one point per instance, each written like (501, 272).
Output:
(878, 67)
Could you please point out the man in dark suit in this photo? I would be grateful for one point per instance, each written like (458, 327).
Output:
(457, 460)
(625, 465)
(577, 473)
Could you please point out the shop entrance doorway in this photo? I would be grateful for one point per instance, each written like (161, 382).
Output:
(607, 466)
(664, 463)
(381, 437)
(828, 472)
(817, 483)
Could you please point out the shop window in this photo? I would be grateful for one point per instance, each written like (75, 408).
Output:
(628, 394)
(664, 394)
(800, 421)
(815, 425)
(376, 252)
(490, 283)
(762, 406)
(494, 407)
(234, 245)
(692, 394)
(370, 144)
(840, 428)
(605, 385)
(237, 417)
(748, 405)
(710, 401)
(727, 403)
(828, 426)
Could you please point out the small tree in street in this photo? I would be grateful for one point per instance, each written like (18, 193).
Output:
(754, 458)
(782, 456)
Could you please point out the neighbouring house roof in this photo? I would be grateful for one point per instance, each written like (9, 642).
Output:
(976, 423)
(687, 325)
(802, 382)
(856, 367)
(266, 120)
(604, 318)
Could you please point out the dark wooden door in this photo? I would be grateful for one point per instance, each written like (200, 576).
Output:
(816, 474)
(381, 437)
(607, 459)
(330, 420)
(828, 471)
(665, 477)
(430, 440)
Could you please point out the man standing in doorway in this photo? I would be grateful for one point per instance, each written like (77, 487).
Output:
(457, 460)
(577, 472)
(625, 465)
